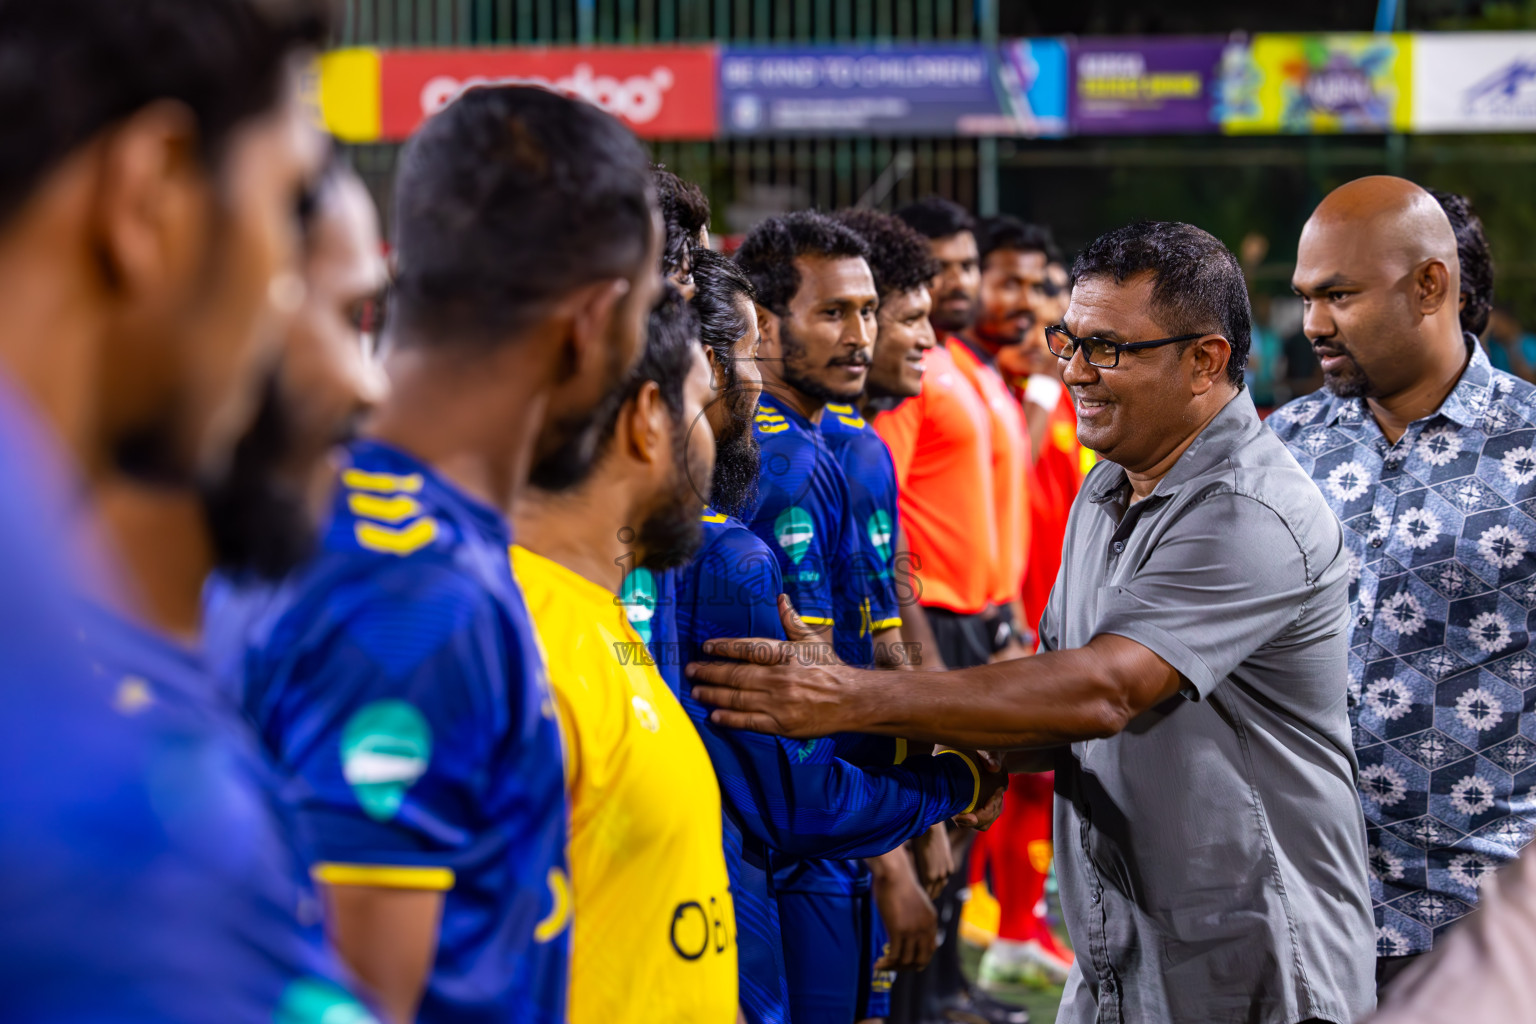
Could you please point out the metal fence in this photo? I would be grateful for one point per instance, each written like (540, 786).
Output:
(745, 179)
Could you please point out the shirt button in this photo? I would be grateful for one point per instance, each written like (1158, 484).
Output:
(1093, 897)
(1376, 542)
(1119, 546)
(1365, 620)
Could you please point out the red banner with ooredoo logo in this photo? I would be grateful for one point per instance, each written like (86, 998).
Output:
(659, 92)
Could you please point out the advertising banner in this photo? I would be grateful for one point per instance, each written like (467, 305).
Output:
(382, 95)
(896, 90)
(1353, 82)
(1032, 77)
(1474, 82)
(1145, 86)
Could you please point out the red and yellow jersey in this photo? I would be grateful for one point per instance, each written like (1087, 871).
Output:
(1011, 459)
(654, 928)
(941, 447)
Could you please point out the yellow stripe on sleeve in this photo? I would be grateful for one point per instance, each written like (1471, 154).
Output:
(901, 750)
(975, 776)
(879, 624)
(812, 620)
(382, 876)
(384, 483)
(393, 509)
(407, 540)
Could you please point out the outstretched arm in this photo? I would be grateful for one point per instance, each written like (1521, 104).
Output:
(1054, 698)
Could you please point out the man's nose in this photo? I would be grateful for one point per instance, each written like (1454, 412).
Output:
(1316, 322)
(1079, 370)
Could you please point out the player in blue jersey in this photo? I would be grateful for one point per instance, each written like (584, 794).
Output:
(649, 597)
(397, 676)
(148, 234)
(782, 802)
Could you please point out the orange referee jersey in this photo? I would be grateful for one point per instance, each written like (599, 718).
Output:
(941, 446)
(1010, 472)
(1056, 479)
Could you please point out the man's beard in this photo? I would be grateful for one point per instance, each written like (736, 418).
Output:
(256, 509)
(796, 377)
(671, 533)
(952, 322)
(1353, 383)
(738, 460)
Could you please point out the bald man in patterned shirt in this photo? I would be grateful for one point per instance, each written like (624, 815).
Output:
(1427, 454)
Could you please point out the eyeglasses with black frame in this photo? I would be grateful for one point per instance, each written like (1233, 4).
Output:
(1101, 352)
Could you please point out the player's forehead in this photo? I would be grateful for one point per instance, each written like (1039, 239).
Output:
(959, 247)
(1028, 265)
(829, 278)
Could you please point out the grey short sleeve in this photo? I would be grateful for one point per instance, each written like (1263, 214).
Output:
(1223, 580)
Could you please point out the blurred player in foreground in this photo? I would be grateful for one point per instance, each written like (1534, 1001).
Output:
(149, 235)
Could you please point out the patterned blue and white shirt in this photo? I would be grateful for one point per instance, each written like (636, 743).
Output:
(1441, 531)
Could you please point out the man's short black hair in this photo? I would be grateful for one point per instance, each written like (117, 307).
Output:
(1197, 284)
(768, 253)
(505, 201)
(1007, 232)
(720, 284)
(685, 212)
(1476, 261)
(71, 68)
(898, 256)
(937, 217)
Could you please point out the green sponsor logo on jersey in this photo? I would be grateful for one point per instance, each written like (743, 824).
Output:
(639, 601)
(879, 527)
(385, 748)
(794, 531)
(313, 1001)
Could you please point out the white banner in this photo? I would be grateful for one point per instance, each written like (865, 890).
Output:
(1474, 82)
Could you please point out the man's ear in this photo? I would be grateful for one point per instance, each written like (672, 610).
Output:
(646, 420)
(716, 371)
(1212, 354)
(153, 207)
(591, 310)
(767, 332)
(1433, 280)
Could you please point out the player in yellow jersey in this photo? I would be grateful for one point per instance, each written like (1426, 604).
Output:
(654, 932)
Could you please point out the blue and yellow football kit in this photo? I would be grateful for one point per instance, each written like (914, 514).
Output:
(146, 875)
(865, 595)
(785, 800)
(805, 520)
(398, 680)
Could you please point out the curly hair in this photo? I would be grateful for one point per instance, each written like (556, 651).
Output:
(937, 217)
(685, 211)
(898, 256)
(1476, 261)
(1197, 284)
(1005, 232)
(768, 253)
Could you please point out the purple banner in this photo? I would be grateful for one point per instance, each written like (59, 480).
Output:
(1148, 86)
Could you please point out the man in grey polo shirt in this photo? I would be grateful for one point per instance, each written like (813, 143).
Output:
(1192, 692)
